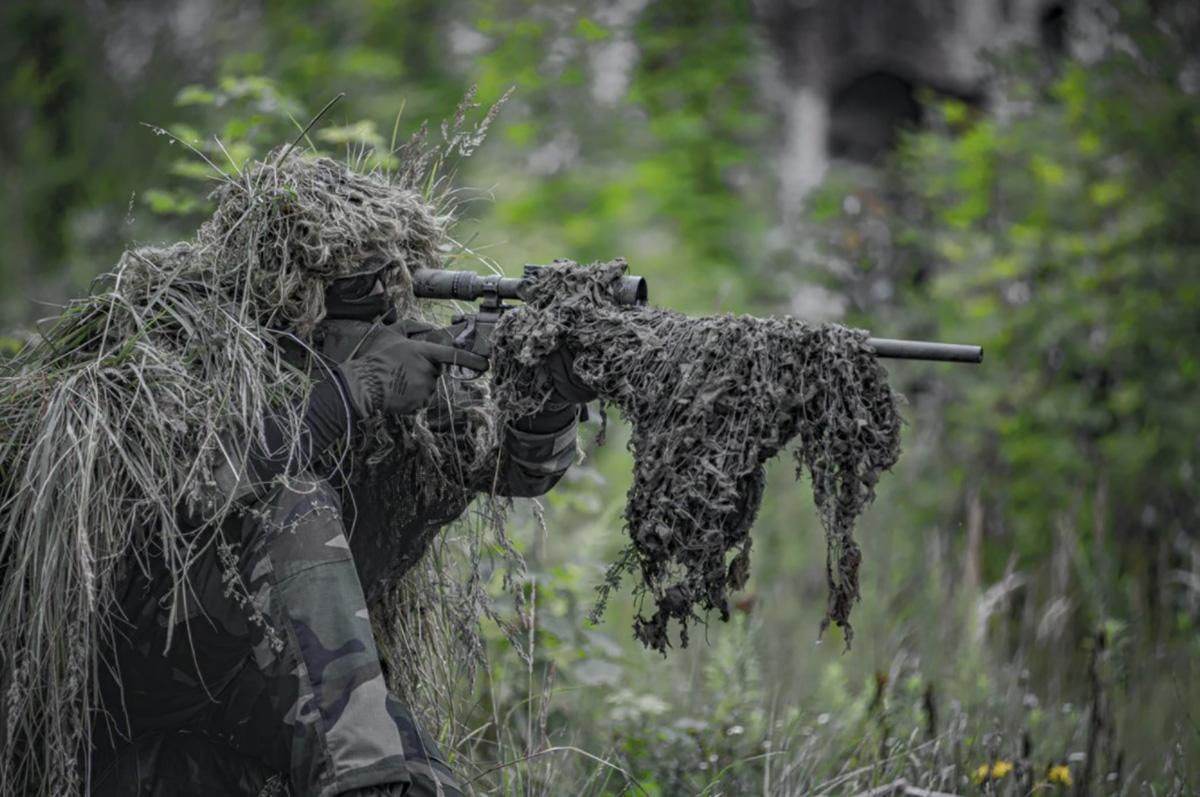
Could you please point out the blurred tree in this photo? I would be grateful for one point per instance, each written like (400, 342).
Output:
(1061, 234)
(72, 151)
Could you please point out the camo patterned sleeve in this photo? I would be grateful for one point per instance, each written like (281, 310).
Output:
(271, 667)
(533, 454)
(537, 452)
(348, 731)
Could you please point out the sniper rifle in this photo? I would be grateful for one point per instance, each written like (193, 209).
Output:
(473, 331)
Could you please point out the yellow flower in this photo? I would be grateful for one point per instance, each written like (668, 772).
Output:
(1059, 773)
(994, 772)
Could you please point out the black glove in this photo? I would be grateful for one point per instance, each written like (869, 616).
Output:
(567, 400)
(393, 374)
(568, 388)
(342, 339)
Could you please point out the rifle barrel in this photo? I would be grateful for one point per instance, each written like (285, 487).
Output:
(926, 350)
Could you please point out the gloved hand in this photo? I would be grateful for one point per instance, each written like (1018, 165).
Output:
(393, 374)
(342, 339)
(568, 388)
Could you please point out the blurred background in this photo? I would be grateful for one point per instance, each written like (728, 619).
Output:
(1021, 174)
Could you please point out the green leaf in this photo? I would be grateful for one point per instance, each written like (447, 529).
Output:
(363, 132)
(1106, 193)
(194, 95)
(10, 346)
(193, 169)
(590, 31)
(170, 203)
(1051, 173)
(521, 134)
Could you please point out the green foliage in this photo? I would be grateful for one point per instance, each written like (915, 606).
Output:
(674, 150)
(1060, 234)
(71, 152)
(1064, 237)
(1058, 231)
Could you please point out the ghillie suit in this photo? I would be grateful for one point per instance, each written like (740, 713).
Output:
(711, 400)
(115, 423)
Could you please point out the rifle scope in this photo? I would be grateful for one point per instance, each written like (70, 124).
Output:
(432, 283)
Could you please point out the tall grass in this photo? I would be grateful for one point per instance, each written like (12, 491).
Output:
(950, 689)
